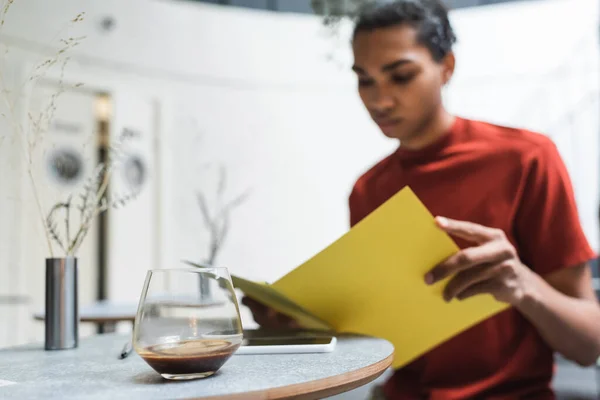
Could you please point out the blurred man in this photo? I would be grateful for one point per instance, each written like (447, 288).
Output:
(504, 195)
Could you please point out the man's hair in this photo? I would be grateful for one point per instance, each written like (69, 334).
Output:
(428, 17)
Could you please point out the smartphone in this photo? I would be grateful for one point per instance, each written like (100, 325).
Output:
(287, 345)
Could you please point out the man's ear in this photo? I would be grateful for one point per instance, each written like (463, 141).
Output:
(448, 64)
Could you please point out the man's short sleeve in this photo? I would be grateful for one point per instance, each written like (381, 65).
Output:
(357, 203)
(548, 230)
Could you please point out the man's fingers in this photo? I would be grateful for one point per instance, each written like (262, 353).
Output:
(267, 317)
(265, 322)
(471, 277)
(270, 313)
(253, 304)
(275, 320)
(287, 322)
(485, 287)
(247, 301)
(468, 230)
(488, 253)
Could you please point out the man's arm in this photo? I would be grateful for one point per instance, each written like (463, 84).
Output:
(564, 309)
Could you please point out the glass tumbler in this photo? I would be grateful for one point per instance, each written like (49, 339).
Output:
(188, 322)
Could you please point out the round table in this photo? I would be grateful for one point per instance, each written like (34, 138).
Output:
(94, 371)
(105, 313)
(11, 300)
(14, 299)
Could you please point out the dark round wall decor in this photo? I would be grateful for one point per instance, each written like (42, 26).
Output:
(65, 166)
(134, 171)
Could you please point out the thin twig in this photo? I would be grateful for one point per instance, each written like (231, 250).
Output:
(90, 186)
(5, 9)
(237, 201)
(101, 202)
(218, 223)
(208, 222)
(51, 225)
(27, 143)
(98, 208)
(22, 138)
(224, 231)
(68, 219)
(222, 182)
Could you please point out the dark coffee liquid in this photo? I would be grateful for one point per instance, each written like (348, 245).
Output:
(189, 357)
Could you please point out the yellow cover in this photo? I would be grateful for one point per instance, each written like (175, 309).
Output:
(371, 281)
(266, 294)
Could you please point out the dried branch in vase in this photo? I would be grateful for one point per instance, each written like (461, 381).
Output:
(30, 135)
(93, 200)
(218, 222)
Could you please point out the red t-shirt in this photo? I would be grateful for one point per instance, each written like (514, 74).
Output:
(498, 177)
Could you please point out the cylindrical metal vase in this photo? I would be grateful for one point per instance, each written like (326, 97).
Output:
(62, 314)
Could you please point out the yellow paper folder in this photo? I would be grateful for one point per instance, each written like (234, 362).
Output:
(371, 281)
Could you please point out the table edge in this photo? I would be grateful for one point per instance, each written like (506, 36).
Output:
(316, 389)
(100, 320)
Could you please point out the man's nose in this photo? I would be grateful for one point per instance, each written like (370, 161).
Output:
(382, 100)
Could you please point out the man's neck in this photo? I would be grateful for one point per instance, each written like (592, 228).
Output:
(431, 132)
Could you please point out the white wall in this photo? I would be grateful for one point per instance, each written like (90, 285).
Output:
(275, 112)
(535, 65)
(255, 91)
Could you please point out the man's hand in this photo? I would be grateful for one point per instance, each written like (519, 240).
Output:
(267, 317)
(492, 266)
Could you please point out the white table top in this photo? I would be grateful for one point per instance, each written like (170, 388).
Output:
(103, 311)
(108, 311)
(93, 371)
(13, 299)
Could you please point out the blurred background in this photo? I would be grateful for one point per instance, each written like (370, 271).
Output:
(250, 103)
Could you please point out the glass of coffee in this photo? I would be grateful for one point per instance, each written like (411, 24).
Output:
(188, 322)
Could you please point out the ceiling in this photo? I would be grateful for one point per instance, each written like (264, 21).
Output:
(304, 6)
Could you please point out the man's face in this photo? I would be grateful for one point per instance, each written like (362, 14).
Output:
(399, 82)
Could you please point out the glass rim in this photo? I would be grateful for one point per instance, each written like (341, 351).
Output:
(188, 269)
